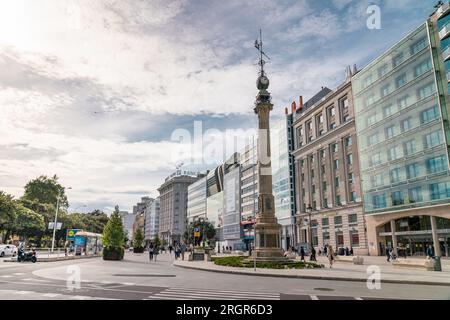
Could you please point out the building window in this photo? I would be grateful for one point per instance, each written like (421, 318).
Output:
(415, 195)
(412, 170)
(430, 114)
(433, 139)
(393, 154)
(336, 164)
(312, 174)
(352, 218)
(334, 148)
(350, 159)
(406, 124)
(324, 186)
(373, 139)
(311, 159)
(398, 59)
(314, 205)
(332, 125)
(379, 201)
(440, 190)
(437, 164)
(388, 111)
(426, 91)
(326, 237)
(397, 198)
(351, 177)
(395, 175)
(375, 159)
(299, 136)
(384, 69)
(337, 221)
(377, 180)
(410, 147)
(353, 196)
(371, 120)
(385, 90)
(313, 189)
(322, 154)
(354, 238)
(348, 141)
(401, 80)
(403, 102)
(338, 200)
(336, 182)
(323, 169)
(325, 203)
(343, 104)
(422, 68)
(390, 132)
(325, 222)
(419, 46)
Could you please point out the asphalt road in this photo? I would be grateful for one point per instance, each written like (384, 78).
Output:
(136, 278)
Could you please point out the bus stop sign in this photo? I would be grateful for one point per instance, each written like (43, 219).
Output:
(196, 232)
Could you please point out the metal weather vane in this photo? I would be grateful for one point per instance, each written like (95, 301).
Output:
(259, 46)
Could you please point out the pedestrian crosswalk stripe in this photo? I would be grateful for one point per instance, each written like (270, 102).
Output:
(314, 298)
(162, 297)
(51, 295)
(358, 298)
(24, 292)
(224, 291)
(229, 294)
(6, 276)
(18, 273)
(33, 279)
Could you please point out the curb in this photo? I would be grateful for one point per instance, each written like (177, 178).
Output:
(312, 277)
(57, 259)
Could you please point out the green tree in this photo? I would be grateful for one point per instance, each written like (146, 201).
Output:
(8, 215)
(207, 231)
(138, 239)
(45, 190)
(156, 242)
(28, 223)
(114, 237)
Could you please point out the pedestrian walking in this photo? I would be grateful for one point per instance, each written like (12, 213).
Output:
(170, 249)
(325, 250)
(330, 254)
(388, 254)
(150, 252)
(183, 250)
(429, 252)
(302, 254)
(313, 255)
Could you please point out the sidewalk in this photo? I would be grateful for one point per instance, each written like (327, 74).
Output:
(343, 271)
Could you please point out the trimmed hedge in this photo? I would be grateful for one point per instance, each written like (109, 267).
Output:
(138, 250)
(243, 262)
(110, 253)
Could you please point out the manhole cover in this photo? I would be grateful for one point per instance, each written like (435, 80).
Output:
(323, 289)
(144, 275)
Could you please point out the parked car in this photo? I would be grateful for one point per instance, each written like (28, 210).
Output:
(8, 250)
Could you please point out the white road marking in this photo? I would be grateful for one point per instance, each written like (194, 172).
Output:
(314, 297)
(176, 293)
(24, 292)
(6, 276)
(358, 298)
(51, 295)
(18, 273)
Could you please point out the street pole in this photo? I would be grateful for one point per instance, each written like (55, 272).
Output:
(309, 227)
(54, 223)
(254, 207)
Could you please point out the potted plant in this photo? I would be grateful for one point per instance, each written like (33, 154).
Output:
(114, 238)
(138, 241)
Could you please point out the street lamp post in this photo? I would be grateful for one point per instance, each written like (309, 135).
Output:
(56, 218)
(309, 210)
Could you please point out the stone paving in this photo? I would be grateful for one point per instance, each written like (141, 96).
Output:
(341, 271)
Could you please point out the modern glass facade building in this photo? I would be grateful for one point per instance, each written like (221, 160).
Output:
(399, 105)
(196, 206)
(283, 178)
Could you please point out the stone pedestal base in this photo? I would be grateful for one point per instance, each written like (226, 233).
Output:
(268, 239)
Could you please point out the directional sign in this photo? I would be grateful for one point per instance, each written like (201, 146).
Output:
(58, 225)
(196, 232)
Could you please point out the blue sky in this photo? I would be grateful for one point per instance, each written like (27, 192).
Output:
(92, 91)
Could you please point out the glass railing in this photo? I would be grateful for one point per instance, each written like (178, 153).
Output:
(444, 31)
(446, 53)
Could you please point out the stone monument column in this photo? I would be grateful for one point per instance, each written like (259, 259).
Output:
(267, 229)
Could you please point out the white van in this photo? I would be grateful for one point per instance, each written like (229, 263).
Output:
(8, 250)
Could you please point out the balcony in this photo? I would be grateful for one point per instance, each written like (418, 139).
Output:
(443, 10)
(445, 31)
(446, 53)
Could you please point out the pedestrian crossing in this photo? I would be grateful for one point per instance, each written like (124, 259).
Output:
(210, 294)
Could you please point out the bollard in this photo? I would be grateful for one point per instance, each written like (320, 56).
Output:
(437, 264)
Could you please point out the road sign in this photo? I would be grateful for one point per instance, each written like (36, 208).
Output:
(70, 236)
(58, 225)
(197, 234)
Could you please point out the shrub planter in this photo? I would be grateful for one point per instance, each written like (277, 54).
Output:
(138, 250)
(244, 262)
(113, 253)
